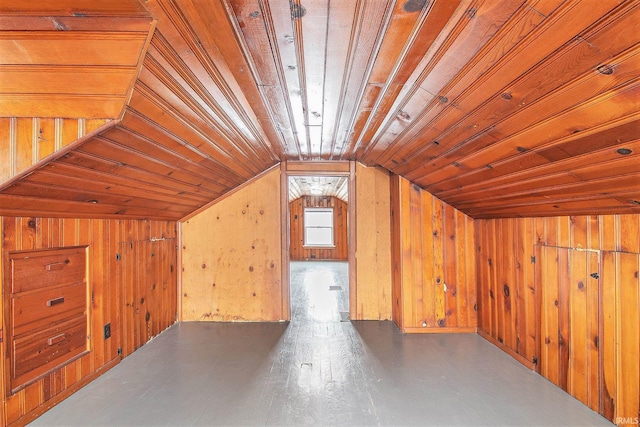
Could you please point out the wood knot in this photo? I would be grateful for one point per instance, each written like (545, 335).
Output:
(412, 6)
(606, 70)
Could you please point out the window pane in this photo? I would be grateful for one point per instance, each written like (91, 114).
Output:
(319, 236)
(313, 218)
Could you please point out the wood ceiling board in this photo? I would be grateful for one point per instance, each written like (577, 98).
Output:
(82, 48)
(175, 179)
(63, 174)
(314, 27)
(12, 205)
(560, 187)
(229, 88)
(474, 29)
(59, 192)
(217, 31)
(608, 110)
(73, 23)
(560, 69)
(282, 38)
(579, 151)
(262, 54)
(103, 154)
(416, 31)
(186, 110)
(149, 155)
(43, 79)
(371, 22)
(320, 186)
(124, 8)
(328, 167)
(61, 105)
(205, 69)
(499, 63)
(182, 134)
(342, 22)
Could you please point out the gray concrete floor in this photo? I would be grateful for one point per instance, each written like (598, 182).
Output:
(320, 369)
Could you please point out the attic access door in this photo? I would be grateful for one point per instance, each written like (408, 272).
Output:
(590, 339)
(342, 207)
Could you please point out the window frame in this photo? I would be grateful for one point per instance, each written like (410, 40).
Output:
(331, 227)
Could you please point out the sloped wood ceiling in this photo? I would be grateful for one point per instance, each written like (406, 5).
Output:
(498, 107)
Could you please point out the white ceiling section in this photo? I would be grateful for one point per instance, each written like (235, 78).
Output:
(336, 186)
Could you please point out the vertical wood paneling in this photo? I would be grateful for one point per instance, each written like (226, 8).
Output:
(231, 257)
(373, 244)
(584, 279)
(397, 258)
(433, 252)
(628, 338)
(105, 239)
(26, 141)
(340, 251)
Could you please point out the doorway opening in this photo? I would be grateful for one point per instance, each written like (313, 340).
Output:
(318, 243)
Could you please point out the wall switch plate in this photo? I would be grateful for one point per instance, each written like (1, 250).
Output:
(107, 331)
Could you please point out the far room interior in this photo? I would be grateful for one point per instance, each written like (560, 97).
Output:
(274, 212)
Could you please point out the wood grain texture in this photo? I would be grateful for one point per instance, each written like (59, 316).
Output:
(298, 251)
(498, 108)
(106, 240)
(24, 142)
(577, 322)
(373, 244)
(73, 60)
(231, 257)
(434, 245)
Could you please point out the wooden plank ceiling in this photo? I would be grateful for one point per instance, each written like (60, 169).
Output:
(324, 186)
(500, 108)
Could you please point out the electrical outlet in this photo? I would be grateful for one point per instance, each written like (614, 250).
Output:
(107, 331)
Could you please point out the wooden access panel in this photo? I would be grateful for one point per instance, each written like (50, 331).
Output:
(590, 305)
(570, 290)
(621, 326)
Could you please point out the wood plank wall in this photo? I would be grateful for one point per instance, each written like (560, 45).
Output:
(340, 251)
(564, 292)
(231, 257)
(135, 294)
(26, 141)
(434, 282)
(373, 244)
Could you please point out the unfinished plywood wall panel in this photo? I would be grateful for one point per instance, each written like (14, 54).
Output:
(373, 244)
(231, 256)
(297, 248)
(26, 141)
(573, 307)
(108, 265)
(435, 267)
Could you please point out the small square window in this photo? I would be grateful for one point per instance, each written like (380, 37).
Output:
(318, 227)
